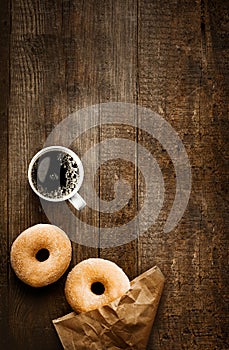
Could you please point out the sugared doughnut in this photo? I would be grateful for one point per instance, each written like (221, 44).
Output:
(41, 254)
(94, 283)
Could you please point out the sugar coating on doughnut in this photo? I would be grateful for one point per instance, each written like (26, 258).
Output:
(79, 282)
(23, 255)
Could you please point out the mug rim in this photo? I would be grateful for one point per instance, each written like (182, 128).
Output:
(75, 157)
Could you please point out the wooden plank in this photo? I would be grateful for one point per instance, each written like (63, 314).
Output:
(30, 310)
(4, 99)
(47, 46)
(117, 83)
(213, 250)
(179, 79)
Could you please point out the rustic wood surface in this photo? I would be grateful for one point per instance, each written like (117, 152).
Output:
(169, 56)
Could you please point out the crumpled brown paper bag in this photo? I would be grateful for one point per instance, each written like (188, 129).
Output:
(125, 323)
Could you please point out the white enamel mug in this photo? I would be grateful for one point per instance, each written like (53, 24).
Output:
(49, 168)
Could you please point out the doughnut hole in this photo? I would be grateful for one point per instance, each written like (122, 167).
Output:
(97, 288)
(42, 254)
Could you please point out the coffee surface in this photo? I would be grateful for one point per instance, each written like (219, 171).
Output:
(55, 174)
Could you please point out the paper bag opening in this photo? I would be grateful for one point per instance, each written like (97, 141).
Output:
(125, 323)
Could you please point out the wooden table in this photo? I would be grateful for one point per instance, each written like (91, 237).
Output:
(170, 56)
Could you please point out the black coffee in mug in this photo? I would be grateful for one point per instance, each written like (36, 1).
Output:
(55, 174)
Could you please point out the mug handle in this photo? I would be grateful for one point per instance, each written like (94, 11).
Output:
(77, 201)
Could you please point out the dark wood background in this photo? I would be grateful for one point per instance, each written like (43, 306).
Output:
(170, 56)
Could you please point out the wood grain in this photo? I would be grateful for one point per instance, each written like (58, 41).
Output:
(30, 310)
(172, 57)
(119, 73)
(4, 100)
(179, 79)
